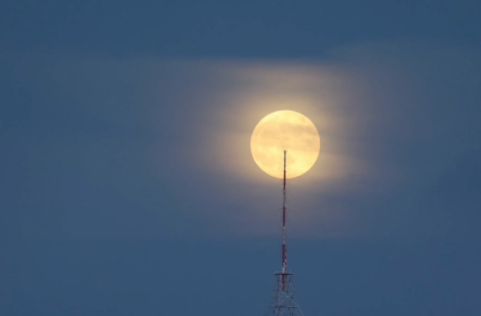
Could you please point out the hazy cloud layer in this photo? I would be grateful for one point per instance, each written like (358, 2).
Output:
(161, 147)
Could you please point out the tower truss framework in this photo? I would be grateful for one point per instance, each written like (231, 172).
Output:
(284, 298)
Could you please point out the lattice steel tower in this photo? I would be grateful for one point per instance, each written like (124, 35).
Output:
(284, 300)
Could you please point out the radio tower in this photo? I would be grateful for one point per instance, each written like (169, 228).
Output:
(284, 300)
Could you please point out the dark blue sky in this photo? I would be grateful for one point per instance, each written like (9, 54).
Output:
(126, 180)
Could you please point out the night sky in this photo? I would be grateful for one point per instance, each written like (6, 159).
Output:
(127, 186)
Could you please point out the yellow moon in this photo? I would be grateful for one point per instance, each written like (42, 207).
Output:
(285, 131)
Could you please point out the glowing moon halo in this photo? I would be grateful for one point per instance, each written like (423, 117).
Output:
(285, 130)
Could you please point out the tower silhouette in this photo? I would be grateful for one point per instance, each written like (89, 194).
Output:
(284, 299)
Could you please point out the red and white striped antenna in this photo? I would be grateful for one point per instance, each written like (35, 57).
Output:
(284, 250)
(284, 299)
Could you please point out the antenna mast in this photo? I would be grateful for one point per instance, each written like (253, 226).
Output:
(284, 250)
(284, 299)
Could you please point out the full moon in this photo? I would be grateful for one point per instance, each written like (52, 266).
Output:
(285, 131)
